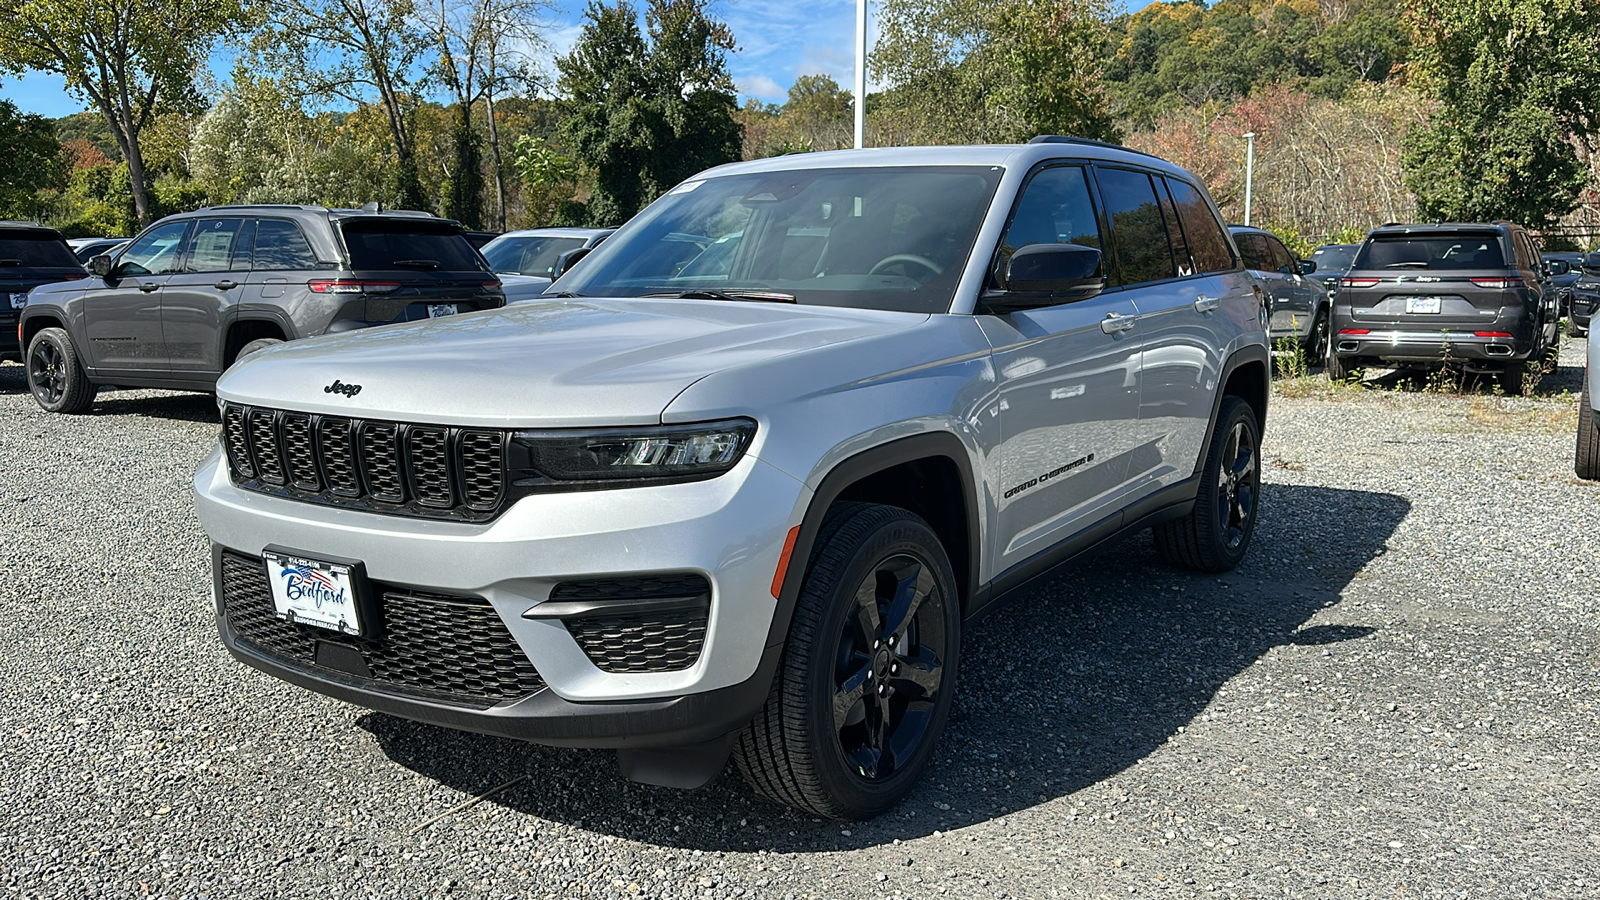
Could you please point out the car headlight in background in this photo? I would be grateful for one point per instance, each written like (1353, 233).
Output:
(572, 460)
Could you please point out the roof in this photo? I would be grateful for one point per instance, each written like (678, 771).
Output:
(1442, 227)
(1004, 155)
(558, 232)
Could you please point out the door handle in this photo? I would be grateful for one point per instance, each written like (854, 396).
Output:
(1204, 304)
(226, 285)
(1115, 323)
(149, 288)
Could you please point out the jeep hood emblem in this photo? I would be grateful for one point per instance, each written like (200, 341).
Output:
(339, 387)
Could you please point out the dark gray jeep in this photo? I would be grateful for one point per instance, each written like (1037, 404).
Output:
(196, 291)
(1473, 295)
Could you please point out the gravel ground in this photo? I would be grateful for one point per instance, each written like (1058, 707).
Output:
(1395, 695)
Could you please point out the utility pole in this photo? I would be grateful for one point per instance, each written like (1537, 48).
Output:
(1249, 171)
(861, 72)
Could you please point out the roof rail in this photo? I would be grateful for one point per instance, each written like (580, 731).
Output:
(257, 206)
(1087, 142)
(23, 223)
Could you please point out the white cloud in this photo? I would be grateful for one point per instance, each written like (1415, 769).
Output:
(761, 87)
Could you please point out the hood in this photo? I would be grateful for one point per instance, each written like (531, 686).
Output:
(544, 364)
(521, 288)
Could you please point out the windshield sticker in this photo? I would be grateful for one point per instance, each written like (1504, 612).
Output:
(686, 187)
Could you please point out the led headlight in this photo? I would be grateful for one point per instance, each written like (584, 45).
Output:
(571, 460)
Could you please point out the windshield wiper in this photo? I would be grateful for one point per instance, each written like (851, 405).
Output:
(562, 295)
(417, 263)
(735, 295)
(1409, 264)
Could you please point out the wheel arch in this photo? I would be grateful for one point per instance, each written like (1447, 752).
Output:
(245, 329)
(1244, 375)
(32, 325)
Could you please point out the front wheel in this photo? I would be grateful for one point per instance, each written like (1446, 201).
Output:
(868, 670)
(1317, 341)
(1215, 535)
(1586, 460)
(55, 374)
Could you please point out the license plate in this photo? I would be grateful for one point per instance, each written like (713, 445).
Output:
(315, 592)
(18, 301)
(435, 310)
(1422, 304)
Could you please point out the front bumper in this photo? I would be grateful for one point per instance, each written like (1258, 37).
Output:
(1430, 347)
(729, 529)
(1581, 307)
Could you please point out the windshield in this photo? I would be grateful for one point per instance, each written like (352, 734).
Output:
(870, 238)
(36, 251)
(528, 255)
(1454, 251)
(1333, 257)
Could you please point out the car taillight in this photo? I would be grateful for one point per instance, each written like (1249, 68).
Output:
(1355, 331)
(1359, 282)
(1491, 334)
(1498, 283)
(74, 277)
(343, 286)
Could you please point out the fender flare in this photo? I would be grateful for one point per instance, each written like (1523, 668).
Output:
(237, 316)
(1250, 354)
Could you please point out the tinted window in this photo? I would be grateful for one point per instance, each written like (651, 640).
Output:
(155, 253)
(528, 255)
(211, 245)
(1457, 251)
(1333, 258)
(1056, 208)
(1137, 229)
(424, 245)
(35, 251)
(1180, 247)
(280, 244)
(1282, 260)
(1253, 247)
(1208, 243)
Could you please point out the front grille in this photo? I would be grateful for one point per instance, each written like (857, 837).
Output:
(389, 467)
(437, 646)
(666, 636)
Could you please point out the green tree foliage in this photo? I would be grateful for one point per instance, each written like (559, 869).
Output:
(995, 70)
(548, 181)
(1518, 82)
(644, 110)
(34, 161)
(128, 58)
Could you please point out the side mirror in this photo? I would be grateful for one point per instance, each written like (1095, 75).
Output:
(1557, 267)
(1047, 275)
(100, 266)
(1307, 267)
(567, 260)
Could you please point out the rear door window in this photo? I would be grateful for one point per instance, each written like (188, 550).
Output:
(211, 244)
(280, 244)
(388, 244)
(30, 250)
(1137, 229)
(1208, 242)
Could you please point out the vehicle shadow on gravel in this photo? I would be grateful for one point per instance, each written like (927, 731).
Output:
(114, 402)
(1072, 682)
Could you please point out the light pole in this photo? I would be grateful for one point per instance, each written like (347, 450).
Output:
(861, 71)
(1249, 171)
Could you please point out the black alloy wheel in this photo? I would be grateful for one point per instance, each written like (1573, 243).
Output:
(45, 373)
(1215, 535)
(1238, 482)
(55, 375)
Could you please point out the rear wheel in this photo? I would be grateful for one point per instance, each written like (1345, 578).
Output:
(868, 671)
(55, 375)
(1514, 378)
(1216, 534)
(1586, 461)
(1342, 368)
(1316, 346)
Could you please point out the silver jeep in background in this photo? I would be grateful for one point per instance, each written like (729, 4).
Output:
(739, 483)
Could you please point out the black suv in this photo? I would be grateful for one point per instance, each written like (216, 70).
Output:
(1585, 294)
(196, 291)
(30, 255)
(1421, 295)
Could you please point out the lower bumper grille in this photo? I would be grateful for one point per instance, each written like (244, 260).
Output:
(656, 623)
(436, 646)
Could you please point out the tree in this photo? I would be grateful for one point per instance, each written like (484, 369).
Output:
(35, 161)
(646, 110)
(1518, 85)
(548, 178)
(997, 70)
(129, 58)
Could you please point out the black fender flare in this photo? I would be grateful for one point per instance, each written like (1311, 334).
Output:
(1250, 354)
(236, 316)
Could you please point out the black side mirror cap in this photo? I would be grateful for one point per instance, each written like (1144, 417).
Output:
(567, 260)
(1307, 267)
(100, 266)
(1047, 275)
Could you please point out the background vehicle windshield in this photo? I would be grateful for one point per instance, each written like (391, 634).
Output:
(878, 238)
(528, 255)
(31, 251)
(1333, 258)
(1456, 251)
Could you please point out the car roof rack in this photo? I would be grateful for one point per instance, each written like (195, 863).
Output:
(1087, 142)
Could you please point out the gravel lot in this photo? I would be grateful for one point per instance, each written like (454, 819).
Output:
(1394, 696)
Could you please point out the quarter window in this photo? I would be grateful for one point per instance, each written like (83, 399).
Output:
(1137, 229)
(280, 244)
(1208, 243)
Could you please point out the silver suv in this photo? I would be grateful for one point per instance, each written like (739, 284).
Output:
(194, 292)
(741, 481)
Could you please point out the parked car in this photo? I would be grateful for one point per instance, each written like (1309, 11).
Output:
(1586, 456)
(1298, 305)
(526, 261)
(1332, 261)
(30, 255)
(1563, 270)
(86, 249)
(1585, 294)
(1469, 294)
(194, 292)
(684, 515)
(478, 239)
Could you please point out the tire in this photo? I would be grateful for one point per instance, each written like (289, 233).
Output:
(56, 376)
(813, 745)
(1215, 535)
(253, 346)
(1586, 460)
(1341, 369)
(1514, 378)
(1576, 330)
(1316, 346)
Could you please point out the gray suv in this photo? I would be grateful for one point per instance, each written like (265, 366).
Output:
(749, 507)
(194, 292)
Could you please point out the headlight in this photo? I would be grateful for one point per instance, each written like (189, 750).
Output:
(571, 460)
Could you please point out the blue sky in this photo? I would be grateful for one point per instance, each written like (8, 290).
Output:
(778, 40)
